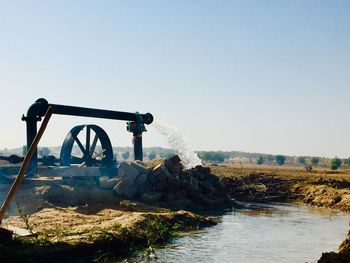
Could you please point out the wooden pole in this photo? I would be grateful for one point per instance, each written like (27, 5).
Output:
(25, 164)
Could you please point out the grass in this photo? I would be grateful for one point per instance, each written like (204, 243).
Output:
(25, 218)
(156, 231)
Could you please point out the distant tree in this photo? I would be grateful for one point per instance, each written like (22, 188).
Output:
(301, 160)
(126, 155)
(260, 160)
(217, 157)
(335, 163)
(314, 161)
(152, 155)
(280, 159)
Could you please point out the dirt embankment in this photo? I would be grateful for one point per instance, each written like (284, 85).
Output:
(89, 223)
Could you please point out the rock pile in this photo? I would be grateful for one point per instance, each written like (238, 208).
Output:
(168, 184)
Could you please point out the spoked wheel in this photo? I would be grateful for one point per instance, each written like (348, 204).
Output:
(97, 150)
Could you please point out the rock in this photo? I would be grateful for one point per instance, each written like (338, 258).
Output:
(207, 188)
(152, 178)
(211, 178)
(126, 169)
(145, 188)
(168, 197)
(126, 185)
(142, 184)
(126, 188)
(173, 184)
(173, 160)
(132, 191)
(108, 183)
(141, 167)
(161, 186)
(180, 194)
(160, 173)
(141, 179)
(174, 164)
(194, 182)
(151, 197)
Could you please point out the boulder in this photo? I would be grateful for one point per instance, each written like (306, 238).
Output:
(180, 194)
(168, 197)
(126, 185)
(145, 188)
(174, 164)
(159, 173)
(126, 169)
(108, 183)
(141, 179)
(174, 184)
(141, 167)
(131, 191)
(161, 186)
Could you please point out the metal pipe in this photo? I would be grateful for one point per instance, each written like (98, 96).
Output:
(38, 110)
(98, 113)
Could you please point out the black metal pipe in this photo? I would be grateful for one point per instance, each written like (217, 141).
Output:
(37, 110)
(97, 113)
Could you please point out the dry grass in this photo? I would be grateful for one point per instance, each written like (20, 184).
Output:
(287, 172)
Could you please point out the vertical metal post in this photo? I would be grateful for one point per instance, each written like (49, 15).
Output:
(31, 123)
(138, 153)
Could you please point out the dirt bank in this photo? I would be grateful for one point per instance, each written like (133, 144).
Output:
(88, 223)
(321, 188)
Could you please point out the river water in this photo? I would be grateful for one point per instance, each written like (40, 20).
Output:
(259, 233)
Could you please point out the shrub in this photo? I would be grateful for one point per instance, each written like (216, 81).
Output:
(314, 161)
(260, 160)
(335, 163)
(280, 159)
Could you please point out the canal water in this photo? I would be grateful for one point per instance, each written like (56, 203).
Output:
(259, 233)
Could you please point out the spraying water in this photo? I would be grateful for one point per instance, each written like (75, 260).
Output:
(178, 143)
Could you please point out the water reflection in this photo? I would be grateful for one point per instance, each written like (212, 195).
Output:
(260, 233)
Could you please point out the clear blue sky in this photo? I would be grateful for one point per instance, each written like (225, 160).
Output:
(258, 76)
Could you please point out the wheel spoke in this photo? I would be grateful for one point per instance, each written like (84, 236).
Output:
(93, 146)
(80, 144)
(87, 145)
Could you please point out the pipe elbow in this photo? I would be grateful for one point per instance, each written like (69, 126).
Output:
(38, 109)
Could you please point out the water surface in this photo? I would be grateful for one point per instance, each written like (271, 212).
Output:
(260, 233)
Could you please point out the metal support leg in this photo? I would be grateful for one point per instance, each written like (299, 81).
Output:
(138, 152)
